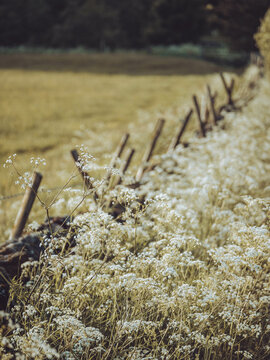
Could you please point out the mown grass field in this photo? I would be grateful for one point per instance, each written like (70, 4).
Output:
(50, 103)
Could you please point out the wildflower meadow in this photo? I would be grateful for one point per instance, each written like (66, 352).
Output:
(183, 274)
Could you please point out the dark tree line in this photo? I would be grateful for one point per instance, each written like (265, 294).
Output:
(99, 23)
(238, 20)
(125, 23)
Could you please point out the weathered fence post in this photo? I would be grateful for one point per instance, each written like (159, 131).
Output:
(117, 155)
(149, 150)
(123, 168)
(205, 110)
(125, 164)
(183, 125)
(26, 206)
(212, 104)
(198, 111)
(85, 176)
(228, 88)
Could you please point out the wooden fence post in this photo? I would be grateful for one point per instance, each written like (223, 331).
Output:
(198, 111)
(26, 206)
(212, 104)
(149, 150)
(125, 164)
(183, 125)
(117, 155)
(228, 88)
(85, 176)
(204, 110)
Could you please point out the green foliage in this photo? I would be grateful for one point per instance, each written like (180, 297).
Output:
(100, 23)
(263, 39)
(238, 20)
(12, 21)
(114, 24)
(126, 23)
(177, 21)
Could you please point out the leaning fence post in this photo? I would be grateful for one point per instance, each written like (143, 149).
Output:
(228, 88)
(212, 104)
(149, 151)
(26, 206)
(117, 155)
(84, 174)
(125, 164)
(183, 125)
(204, 110)
(198, 111)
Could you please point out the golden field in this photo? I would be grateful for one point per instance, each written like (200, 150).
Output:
(50, 103)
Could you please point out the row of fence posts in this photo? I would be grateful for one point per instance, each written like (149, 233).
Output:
(203, 120)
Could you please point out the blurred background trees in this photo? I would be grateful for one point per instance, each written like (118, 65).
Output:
(263, 40)
(238, 21)
(114, 24)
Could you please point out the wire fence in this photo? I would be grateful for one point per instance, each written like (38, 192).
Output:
(208, 115)
(17, 195)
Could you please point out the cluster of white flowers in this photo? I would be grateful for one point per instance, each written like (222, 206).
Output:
(184, 275)
(86, 160)
(9, 160)
(24, 180)
(37, 161)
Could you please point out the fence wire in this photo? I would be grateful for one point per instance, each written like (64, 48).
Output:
(8, 197)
